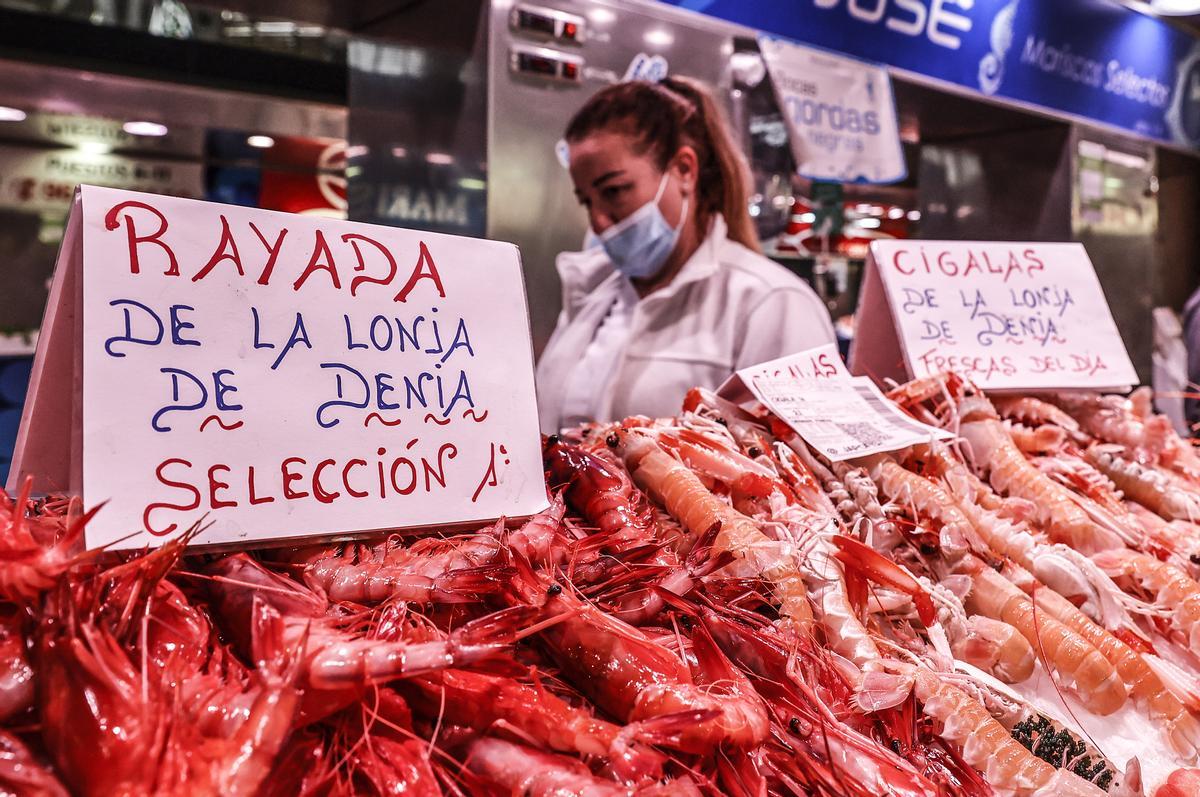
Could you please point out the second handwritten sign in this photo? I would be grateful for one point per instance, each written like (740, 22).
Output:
(1005, 315)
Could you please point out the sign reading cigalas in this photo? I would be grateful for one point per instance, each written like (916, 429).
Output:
(840, 415)
(1004, 315)
(284, 375)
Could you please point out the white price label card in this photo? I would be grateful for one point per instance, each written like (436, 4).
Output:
(839, 415)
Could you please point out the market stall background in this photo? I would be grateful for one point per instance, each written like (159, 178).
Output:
(1018, 120)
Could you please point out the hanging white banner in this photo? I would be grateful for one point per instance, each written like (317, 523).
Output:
(839, 111)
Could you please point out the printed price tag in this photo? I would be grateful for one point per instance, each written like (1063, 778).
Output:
(839, 415)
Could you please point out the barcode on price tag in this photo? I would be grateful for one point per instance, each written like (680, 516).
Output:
(839, 415)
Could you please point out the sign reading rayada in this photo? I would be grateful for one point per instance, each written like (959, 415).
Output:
(1014, 316)
(282, 375)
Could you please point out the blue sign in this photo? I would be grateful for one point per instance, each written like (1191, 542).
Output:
(1091, 58)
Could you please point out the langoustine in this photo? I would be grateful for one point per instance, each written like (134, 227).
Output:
(365, 670)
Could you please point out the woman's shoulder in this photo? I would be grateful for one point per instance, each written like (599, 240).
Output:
(747, 271)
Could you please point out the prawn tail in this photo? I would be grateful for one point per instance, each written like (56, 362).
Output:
(492, 632)
(273, 657)
(470, 584)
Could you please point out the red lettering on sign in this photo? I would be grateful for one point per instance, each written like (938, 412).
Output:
(195, 502)
(289, 477)
(318, 491)
(226, 250)
(254, 499)
(215, 484)
(419, 273)
(353, 239)
(272, 252)
(320, 250)
(135, 266)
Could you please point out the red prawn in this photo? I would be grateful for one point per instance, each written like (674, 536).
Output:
(22, 774)
(631, 676)
(602, 493)
(35, 550)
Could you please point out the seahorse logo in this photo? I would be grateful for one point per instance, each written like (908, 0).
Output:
(991, 67)
(1183, 117)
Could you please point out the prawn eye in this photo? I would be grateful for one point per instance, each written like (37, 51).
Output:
(686, 622)
(794, 724)
(896, 746)
(552, 440)
(754, 451)
(1195, 559)
(554, 589)
(928, 548)
(612, 440)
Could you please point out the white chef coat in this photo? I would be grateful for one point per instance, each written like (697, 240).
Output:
(581, 400)
(727, 308)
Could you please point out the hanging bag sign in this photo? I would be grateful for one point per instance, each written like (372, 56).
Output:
(840, 415)
(1007, 316)
(839, 112)
(279, 375)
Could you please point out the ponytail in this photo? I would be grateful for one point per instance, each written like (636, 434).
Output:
(662, 117)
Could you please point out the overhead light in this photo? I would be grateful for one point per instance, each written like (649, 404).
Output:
(399, 152)
(357, 151)
(869, 223)
(807, 218)
(895, 213)
(275, 27)
(914, 215)
(1175, 8)
(1125, 159)
(94, 147)
(11, 114)
(657, 37)
(144, 129)
(261, 142)
(440, 158)
(472, 184)
(601, 16)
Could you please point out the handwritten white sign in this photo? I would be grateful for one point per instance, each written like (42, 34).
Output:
(282, 375)
(839, 111)
(1004, 315)
(839, 415)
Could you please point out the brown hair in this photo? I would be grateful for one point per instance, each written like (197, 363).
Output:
(664, 116)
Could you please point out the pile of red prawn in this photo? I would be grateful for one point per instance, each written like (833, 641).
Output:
(708, 607)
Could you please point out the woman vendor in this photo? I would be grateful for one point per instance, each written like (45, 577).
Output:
(677, 293)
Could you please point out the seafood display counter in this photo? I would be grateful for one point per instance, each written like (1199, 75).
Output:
(708, 607)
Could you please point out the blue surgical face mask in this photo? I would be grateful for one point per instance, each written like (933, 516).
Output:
(640, 243)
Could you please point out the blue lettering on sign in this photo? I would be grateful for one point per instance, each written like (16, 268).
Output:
(1089, 58)
(812, 113)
